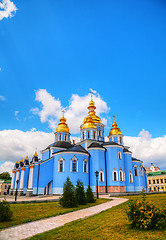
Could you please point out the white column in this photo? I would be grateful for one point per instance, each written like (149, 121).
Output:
(22, 178)
(30, 182)
(85, 135)
(13, 175)
(17, 177)
(91, 134)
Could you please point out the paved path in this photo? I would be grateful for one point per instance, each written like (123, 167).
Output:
(27, 230)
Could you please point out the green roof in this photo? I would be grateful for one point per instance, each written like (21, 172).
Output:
(6, 180)
(156, 173)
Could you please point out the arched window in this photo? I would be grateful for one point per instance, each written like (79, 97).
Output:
(121, 175)
(88, 134)
(85, 165)
(119, 155)
(65, 137)
(61, 165)
(131, 177)
(101, 176)
(94, 134)
(74, 164)
(83, 136)
(120, 140)
(115, 175)
(99, 133)
(135, 171)
(60, 136)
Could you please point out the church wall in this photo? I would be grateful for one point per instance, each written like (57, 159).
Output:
(19, 177)
(35, 178)
(14, 180)
(45, 155)
(114, 164)
(128, 167)
(26, 177)
(97, 162)
(45, 174)
(138, 180)
(60, 177)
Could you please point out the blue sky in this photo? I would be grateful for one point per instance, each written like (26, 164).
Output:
(68, 47)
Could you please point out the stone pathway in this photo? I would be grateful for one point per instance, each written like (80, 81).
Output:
(27, 230)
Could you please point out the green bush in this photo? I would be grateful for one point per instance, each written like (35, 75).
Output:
(5, 212)
(80, 193)
(145, 215)
(89, 195)
(68, 198)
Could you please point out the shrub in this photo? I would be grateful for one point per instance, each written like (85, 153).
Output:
(80, 193)
(145, 215)
(68, 198)
(5, 212)
(89, 195)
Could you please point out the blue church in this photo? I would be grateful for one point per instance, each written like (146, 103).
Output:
(118, 171)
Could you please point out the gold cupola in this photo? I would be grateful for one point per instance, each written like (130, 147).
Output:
(21, 160)
(88, 123)
(62, 126)
(115, 130)
(92, 112)
(35, 155)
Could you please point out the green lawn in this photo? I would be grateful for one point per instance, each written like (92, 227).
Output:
(111, 224)
(28, 212)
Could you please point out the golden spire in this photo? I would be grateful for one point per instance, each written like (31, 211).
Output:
(89, 123)
(27, 157)
(35, 155)
(92, 108)
(62, 126)
(17, 161)
(21, 160)
(115, 130)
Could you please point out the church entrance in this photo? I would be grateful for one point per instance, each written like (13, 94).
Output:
(48, 189)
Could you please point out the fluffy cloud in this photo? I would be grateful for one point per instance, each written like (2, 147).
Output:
(8, 9)
(75, 112)
(148, 149)
(6, 167)
(2, 98)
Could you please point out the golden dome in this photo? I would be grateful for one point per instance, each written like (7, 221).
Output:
(27, 157)
(115, 130)
(91, 107)
(62, 126)
(88, 123)
(21, 160)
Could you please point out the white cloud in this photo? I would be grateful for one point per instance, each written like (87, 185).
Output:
(2, 98)
(6, 167)
(8, 9)
(16, 144)
(51, 110)
(148, 149)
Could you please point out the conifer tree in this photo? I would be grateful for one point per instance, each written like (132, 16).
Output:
(89, 195)
(68, 198)
(80, 193)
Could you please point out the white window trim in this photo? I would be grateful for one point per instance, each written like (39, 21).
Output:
(74, 158)
(101, 172)
(130, 174)
(113, 175)
(85, 160)
(119, 155)
(61, 159)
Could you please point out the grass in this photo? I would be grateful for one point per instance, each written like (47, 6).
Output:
(111, 224)
(28, 212)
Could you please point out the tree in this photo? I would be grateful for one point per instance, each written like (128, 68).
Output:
(68, 198)
(5, 211)
(5, 175)
(89, 195)
(80, 193)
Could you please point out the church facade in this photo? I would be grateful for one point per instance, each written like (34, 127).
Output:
(118, 170)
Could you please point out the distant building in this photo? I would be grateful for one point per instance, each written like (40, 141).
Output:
(118, 170)
(5, 186)
(157, 181)
(152, 168)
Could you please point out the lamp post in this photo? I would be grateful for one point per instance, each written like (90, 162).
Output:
(16, 190)
(97, 174)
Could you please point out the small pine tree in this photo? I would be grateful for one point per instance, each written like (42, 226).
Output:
(68, 198)
(5, 212)
(80, 193)
(89, 195)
